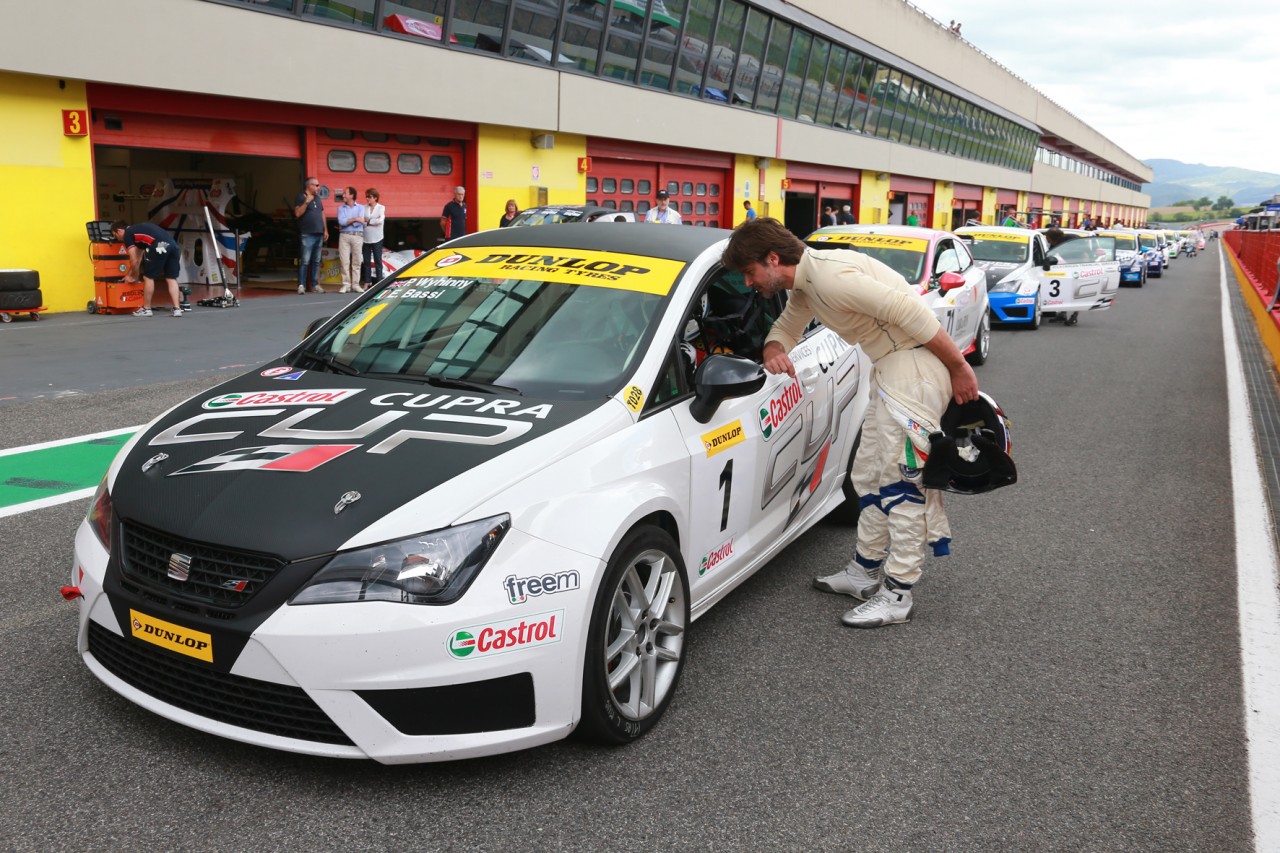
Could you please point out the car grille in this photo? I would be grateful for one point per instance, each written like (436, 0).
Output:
(218, 576)
(275, 709)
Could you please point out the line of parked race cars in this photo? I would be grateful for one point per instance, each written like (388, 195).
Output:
(480, 507)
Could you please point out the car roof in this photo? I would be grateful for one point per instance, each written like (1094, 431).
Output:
(996, 229)
(674, 242)
(587, 209)
(917, 231)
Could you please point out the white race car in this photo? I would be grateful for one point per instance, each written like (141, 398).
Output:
(937, 265)
(474, 511)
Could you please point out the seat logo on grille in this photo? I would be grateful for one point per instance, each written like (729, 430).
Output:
(179, 566)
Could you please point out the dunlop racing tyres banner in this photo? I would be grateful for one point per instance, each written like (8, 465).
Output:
(560, 266)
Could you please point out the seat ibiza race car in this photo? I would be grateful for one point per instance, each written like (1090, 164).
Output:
(475, 511)
(937, 265)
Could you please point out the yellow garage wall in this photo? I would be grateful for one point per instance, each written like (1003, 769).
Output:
(765, 195)
(508, 161)
(48, 181)
(944, 197)
(990, 204)
(873, 208)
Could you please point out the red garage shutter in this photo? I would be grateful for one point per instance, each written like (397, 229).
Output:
(627, 175)
(186, 133)
(415, 175)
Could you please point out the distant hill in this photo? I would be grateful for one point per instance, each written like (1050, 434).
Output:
(1175, 181)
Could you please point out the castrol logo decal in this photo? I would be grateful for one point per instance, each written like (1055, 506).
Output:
(784, 401)
(495, 638)
(252, 399)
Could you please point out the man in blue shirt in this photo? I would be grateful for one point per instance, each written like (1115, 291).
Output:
(453, 219)
(155, 254)
(351, 219)
(313, 232)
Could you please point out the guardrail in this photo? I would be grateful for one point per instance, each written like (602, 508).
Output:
(1257, 253)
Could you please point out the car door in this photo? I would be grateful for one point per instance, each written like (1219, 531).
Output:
(762, 462)
(1076, 276)
(958, 309)
(1105, 251)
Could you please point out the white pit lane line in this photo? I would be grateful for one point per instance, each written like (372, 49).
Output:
(1256, 594)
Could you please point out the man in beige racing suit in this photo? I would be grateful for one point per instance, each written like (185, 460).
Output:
(917, 371)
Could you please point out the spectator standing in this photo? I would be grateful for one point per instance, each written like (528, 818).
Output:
(313, 233)
(828, 215)
(374, 232)
(912, 219)
(351, 216)
(509, 214)
(845, 217)
(751, 214)
(453, 219)
(663, 212)
(155, 254)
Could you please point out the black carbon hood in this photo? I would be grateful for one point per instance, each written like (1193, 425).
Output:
(261, 461)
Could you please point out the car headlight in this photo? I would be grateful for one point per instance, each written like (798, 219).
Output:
(99, 514)
(1009, 285)
(429, 568)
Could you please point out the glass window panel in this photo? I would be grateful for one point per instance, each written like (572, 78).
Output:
(713, 208)
(335, 133)
(847, 91)
(747, 72)
(700, 189)
(609, 203)
(406, 139)
(358, 12)
(724, 48)
(627, 204)
(673, 188)
(440, 164)
(409, 164)
(479, 24)
(642, 206)
(593, 202)
(887, 89)
(533, 33)
(797, 64)
(775, 61)
(622, 51)
(830, 95)
(341, 161)
(660, 53)
(418, 18)
(644, 187)
(592, 184)
(628, 186)
(583, 27)
(695, 47)
(700, 208)
(373, 136)
(867, 113)
(377, 162)
(686, 208)
(713, 190)
(686, 188)
(609, 185)
(813, 78)
(907, 108)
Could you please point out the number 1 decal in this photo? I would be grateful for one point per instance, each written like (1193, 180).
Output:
(726, 483)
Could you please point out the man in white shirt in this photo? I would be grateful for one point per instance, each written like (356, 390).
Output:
(371, 254)
(663, 212)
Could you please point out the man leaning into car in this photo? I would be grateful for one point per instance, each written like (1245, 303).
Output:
(917, 371)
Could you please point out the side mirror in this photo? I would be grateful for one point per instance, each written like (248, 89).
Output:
(313, 325)
(719, 378)
(1051, 262)
(950, 281)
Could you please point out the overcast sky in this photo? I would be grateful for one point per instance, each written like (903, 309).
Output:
(1179, 80)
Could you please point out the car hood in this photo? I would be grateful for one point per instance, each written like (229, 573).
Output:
(299, 464)
(997, 271)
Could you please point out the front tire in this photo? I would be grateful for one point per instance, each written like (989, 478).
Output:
(982, 344)
(1037, 315)
(635, 645)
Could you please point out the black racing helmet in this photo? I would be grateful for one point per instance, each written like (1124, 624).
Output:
(971, 453)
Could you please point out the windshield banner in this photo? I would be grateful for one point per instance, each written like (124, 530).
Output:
(997, 237)
(879, 241)
(561, 266)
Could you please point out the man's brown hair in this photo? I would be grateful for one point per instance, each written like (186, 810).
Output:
(753, 241)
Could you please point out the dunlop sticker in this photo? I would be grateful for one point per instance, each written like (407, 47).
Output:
(723, 438)
(995, 238)
(167, 635)
(562, 266)
(880, 241)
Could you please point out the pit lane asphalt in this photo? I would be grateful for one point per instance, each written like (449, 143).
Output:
(1071, 680)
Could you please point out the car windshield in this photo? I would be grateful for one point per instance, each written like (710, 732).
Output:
(904, 255)
(549, 331)
(546, 216)
(1001, 248)
(1086, 250)
(1147, 241)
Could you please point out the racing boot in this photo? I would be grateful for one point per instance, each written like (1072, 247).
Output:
(890, 606)
(860, 579)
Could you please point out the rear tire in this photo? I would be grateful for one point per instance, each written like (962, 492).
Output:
(635, 644)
